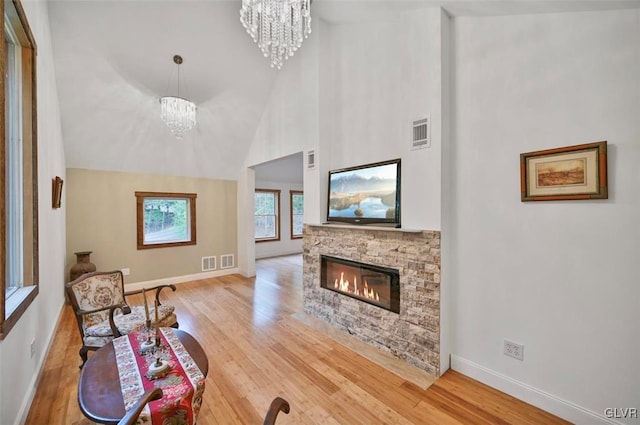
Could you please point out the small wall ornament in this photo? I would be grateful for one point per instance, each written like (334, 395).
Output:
(56, 192)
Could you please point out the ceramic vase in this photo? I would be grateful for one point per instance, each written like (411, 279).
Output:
(82, 266)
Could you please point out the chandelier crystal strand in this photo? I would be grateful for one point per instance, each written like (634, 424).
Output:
(278, 26)
(178, 114)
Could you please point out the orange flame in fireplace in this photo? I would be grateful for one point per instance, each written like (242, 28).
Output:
(366, 292)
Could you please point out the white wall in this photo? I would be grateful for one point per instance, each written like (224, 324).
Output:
(246, 223)
(446, 202)
(380, 77)
(289, 125)
(19, 371)
(285, 245)
(559, 277)
(351, 93)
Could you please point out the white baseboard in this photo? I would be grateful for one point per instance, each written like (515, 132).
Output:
(543, 400)
(248, 273)
(179, 279)
(28, 400)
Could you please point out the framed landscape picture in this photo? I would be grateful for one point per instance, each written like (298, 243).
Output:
(572, 172)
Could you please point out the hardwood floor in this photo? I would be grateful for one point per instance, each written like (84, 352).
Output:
(258, 351)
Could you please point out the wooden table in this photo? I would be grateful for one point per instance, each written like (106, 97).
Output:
(99, 392)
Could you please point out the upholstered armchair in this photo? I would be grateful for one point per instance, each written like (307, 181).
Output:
(98, 300)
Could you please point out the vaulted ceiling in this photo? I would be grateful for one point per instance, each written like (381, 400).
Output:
(113, 61)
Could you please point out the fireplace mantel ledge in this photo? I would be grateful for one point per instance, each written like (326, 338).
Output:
(364, 227)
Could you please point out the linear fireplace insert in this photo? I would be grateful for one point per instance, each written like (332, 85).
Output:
(372, 284)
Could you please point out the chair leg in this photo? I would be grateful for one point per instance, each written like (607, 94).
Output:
(83, 354)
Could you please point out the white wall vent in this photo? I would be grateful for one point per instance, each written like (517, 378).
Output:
(311, 159)
(421, 134)
(208, 263)
(226, 261)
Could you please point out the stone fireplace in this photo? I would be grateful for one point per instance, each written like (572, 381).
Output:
(413, 332)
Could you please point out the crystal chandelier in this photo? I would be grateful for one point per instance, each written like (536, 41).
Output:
(278, 26)
(177, 113)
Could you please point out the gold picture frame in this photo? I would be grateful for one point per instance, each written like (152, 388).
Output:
(568, 173)
(56, 192)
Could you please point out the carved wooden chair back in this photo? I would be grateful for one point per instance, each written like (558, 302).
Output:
(102, 312)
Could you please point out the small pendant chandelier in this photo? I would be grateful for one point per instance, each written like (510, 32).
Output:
(278, 26)
(178, 114)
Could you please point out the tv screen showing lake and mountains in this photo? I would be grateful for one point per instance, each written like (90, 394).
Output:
(364, 193)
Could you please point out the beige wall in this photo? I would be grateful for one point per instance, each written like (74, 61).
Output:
(101, 217)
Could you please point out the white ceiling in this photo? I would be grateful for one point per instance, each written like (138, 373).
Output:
(113, 61)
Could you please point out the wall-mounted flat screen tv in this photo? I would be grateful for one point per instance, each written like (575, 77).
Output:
(365, 194)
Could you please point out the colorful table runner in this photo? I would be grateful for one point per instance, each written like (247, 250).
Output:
(182, 387)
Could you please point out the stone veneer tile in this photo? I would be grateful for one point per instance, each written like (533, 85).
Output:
(414, 334)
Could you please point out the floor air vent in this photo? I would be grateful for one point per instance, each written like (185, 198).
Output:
(208, 263)
(226, 261)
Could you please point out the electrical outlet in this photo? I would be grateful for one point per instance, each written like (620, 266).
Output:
(513, 349)
(125, 271)
(33, 347)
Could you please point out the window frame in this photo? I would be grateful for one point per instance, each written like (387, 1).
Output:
(276, 192)
(293, 193)
(140, 198)
(14, 306)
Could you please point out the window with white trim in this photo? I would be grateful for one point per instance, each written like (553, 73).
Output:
(266, 213)
(296, 213)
